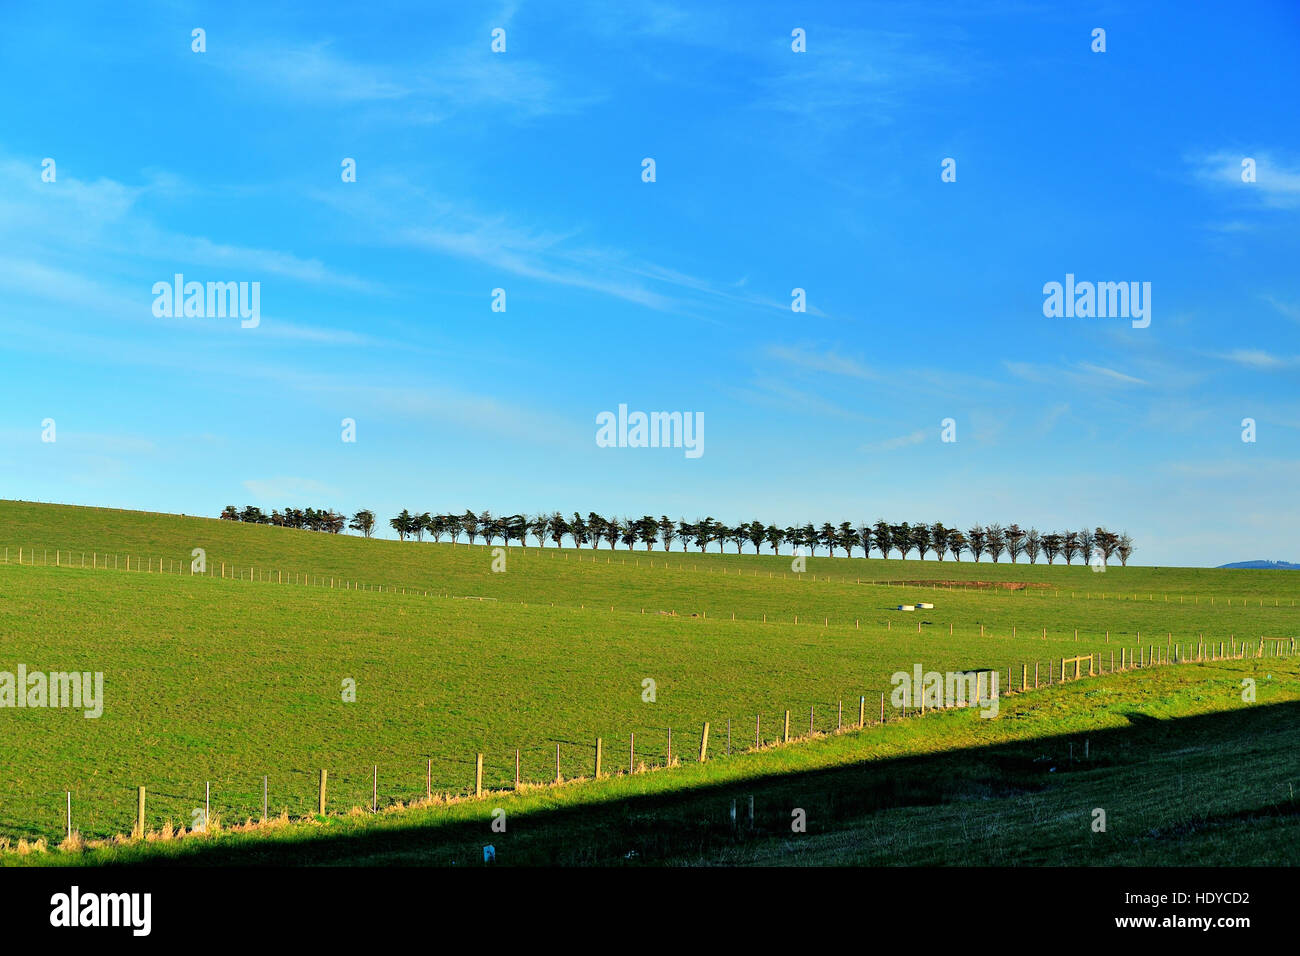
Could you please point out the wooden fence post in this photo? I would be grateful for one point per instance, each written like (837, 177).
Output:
(631, 752)
(478, 775)
(704, 742)
(862, 711)
(324, 774)
(598, 746)
(139, 815)
(516, 768)
(785, 734)
(557, 746)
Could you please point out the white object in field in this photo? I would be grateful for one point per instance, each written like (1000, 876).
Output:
(907, 607)
(926, 607)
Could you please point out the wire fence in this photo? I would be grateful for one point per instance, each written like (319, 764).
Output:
(296, 792)
(299, 793)
(94, 560)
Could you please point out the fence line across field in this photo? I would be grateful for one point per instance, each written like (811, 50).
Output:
(230, 571)
(1139, 655)
(586, 762)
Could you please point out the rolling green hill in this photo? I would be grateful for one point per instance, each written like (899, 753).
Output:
(1145, 748)
(224, 680)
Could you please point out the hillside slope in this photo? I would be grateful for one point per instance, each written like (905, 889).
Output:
(219, 681)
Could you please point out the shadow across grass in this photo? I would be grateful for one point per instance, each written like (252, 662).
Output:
(1193, 776)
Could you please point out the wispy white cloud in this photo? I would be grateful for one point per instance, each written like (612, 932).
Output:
(398, 213)
(848, 76)
(80, 442)
(259, 262)
(315, 72)
(1232, 226)
(1277, 181)
(902, 441)
(1111, 374)
(1051, 416)
(1084, 374)
(102, 223)
(444, 83)
(535, 257)
(454, 407)
(828, 361)
(656, 19)
(45, 282)
(1290, 309)
(1260, 359)
(91, 251)
(318, 335)
(776, 393)
(282, 489)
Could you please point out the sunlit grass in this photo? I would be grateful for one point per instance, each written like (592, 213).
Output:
(226, 680)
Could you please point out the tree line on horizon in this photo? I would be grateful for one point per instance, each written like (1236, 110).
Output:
(993, 539)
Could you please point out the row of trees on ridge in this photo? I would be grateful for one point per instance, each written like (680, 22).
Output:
(923, 538)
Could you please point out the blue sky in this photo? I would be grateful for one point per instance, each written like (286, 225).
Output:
(774, 170)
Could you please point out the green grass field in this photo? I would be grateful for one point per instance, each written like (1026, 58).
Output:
(1149, 748)
(226, 680)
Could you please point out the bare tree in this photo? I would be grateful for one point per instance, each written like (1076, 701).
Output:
(1015, 541)
(1033, 544)
(667, 532)
(1085, 542)
(775, 537)
(884, 537)
(921, 539)
(956, 544)
(540, 526)
(1070, 545)
(995, 540)
(1105, 542)
(939, 539)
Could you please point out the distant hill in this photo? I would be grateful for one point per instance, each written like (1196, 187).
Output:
(1266, 565)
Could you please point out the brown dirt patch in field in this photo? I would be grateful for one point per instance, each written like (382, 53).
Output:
(1005, 585)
